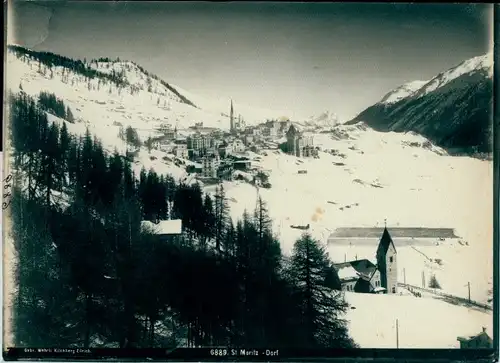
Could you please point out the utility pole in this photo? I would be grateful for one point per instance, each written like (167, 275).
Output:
(404, 275)
(468, 285)
(397, 333)
(345, 257)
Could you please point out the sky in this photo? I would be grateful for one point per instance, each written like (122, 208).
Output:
(305, 58)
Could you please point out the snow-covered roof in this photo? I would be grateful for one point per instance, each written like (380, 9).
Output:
(396, 232)
(379, 288)
(173, 226)
(473, 336)
(347, 273)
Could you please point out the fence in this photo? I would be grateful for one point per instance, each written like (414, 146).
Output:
(448, 296)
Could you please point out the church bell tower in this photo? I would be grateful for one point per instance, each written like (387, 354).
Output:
(231, 118)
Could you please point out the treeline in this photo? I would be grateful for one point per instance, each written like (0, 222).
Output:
(130, 136)
(77, 66)
(150, 76)
(89, 275)
(51, 60)
(166, 85)
(49, 102)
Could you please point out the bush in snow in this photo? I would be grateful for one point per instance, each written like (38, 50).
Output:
(434, 283)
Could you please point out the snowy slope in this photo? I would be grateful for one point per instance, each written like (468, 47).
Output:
(453, 109)
(361, 177)
(402, 92)
(421, 88)
(145, 103)
(323, 121)
(379, 175)
(422, 323)
(481, 63)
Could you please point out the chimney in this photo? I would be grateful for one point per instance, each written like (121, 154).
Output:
(484, 329)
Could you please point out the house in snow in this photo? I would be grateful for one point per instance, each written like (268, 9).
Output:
(359, 276)
(165, 230)
(385, 256)
(365, 276)
(478, 341)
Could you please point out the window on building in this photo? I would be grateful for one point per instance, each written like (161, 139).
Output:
(393, 290)
(390, 259)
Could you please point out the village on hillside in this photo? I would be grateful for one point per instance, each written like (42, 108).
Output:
(213, 154)
(142, 214)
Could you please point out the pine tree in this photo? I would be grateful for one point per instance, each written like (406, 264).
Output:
(69, 115)
(208, 217)
(221, 215)
(433, 282)
(50, 171)
(45, 309)
(149, 144)
(64, 148)
(320, 323)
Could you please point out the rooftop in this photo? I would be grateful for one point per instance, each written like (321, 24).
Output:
(396, 232)
(471, 337)
(362, 268)
(167, 227)
(347, 273)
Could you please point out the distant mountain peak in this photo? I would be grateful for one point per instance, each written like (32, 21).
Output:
(453, 109)
(402, 91)
(482, 63)
(326, 119)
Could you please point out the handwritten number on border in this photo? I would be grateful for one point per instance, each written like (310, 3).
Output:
(7, 187)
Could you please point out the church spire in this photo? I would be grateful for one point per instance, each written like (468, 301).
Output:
(231, 117)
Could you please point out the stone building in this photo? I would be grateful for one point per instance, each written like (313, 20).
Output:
(298, 144)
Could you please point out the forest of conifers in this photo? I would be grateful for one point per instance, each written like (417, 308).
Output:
(87, 274)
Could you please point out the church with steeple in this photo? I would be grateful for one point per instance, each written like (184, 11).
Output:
(387, 263)
(235, 124)
(365, 276)
(231, 119)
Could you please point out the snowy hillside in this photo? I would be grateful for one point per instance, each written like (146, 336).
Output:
(422, 323)
(482, 63)
(144, 102)
(324, 121)
(361, 177)
(402, 92)
(453, 109)
(372, 176)
(420, 88)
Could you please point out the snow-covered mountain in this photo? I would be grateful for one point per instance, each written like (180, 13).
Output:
(361, 176)
(481, 65)
(453, 109)
(402, 92)
(111, 86)
(324, 121)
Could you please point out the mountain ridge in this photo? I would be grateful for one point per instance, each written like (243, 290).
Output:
(453, 109)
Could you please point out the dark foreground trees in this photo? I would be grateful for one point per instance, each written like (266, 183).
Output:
(314, 280)
(88, 275)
